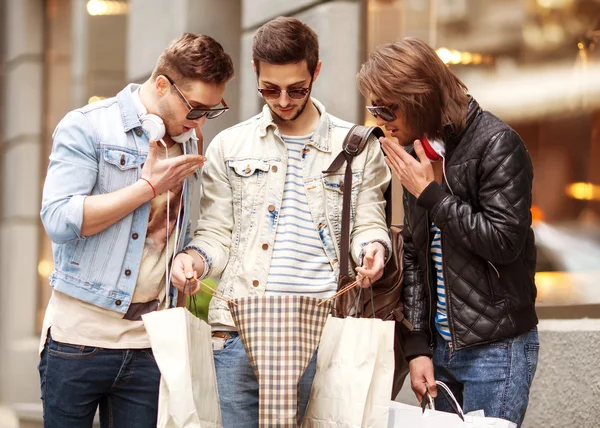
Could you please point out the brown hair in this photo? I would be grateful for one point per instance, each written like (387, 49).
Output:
(195, 57)
(286, 41)
(410, 73)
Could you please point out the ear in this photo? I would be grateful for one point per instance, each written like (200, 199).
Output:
(317, 70)
(161, 85)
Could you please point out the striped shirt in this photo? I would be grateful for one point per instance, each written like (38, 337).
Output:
(441, 317)
(299, 264)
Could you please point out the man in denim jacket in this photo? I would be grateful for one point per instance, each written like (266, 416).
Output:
(270, 220)
(106, 200)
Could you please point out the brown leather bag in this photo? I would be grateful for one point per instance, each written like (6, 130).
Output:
(384, 298)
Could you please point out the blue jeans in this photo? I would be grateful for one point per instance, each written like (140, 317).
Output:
(75, 380)
(495, 377)
(238, 387)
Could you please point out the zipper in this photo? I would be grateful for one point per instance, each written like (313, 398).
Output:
(428, 280)
(494, 267)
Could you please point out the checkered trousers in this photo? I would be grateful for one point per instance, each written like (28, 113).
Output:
(280, 335)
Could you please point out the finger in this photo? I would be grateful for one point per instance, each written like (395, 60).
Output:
(393, 166)
(151, 151)
(431, 385)
(396, 149)
(420, 152)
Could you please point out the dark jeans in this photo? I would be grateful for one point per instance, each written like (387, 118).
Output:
(75, 380)
(495, 377)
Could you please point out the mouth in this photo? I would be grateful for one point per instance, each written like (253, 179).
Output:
(392, 131)
(186, 128)
(286, 110)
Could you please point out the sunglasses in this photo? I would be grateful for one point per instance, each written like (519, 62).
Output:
(198, 112)
(273, 94)
(386, 113)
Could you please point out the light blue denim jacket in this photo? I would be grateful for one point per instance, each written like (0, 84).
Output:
(243, 182)
(98, 149)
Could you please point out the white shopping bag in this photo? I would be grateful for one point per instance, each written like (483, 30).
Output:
(355, 371)
(182, 348)
(404, 415)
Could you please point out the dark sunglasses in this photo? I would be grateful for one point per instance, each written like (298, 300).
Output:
(386, 113)
(273, 94)
(199, 112)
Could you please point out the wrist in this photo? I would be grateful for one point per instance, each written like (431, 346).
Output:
(148, 188)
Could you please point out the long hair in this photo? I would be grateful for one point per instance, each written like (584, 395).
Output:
(410, 73)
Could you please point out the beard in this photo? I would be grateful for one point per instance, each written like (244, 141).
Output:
(297, 115)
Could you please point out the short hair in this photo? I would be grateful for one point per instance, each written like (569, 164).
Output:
(286, 40)
(411, 74)
(195, 57)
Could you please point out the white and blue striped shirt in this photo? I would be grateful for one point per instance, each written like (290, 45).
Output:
(441, 317)
(299, 264)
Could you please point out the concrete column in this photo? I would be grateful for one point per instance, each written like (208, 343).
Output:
(220, 20)
(20, 148)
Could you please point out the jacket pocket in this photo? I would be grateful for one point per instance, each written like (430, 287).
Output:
(248, 177)
(118, 169)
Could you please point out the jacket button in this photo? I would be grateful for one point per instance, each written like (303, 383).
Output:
(127, 272)
(271, 208)
(274, 168)
(134, 236)
(138, 132)
(255, 283)
(118, 302)
(265, 246)
(122, 160)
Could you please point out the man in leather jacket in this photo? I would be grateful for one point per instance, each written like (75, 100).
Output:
(469, 248)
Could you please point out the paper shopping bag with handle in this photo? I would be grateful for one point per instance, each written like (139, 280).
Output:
(355, 370)
(182, 347)
(280, 335)
(404, 415)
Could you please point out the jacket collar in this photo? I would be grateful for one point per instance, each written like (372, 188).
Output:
(320, 139)
(450, 137)
(129, 112)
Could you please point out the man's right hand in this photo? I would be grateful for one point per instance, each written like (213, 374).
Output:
(421, 377)
(186, 267)
(165, 174)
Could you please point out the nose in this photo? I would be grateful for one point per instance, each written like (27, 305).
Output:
(284, 100)
(200, 121)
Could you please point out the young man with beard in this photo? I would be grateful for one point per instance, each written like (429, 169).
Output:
(270, 219)
(469, 248)
(105, 208)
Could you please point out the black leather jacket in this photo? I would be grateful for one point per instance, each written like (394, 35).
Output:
(488, 251)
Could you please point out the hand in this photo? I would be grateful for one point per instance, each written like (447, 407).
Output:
(414, 175)
(165, 174)
(373, 263)
(421, 377)
(185, 268)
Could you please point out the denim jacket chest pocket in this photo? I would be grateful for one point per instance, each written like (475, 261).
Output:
(118, 169)
(333, 185)
(248, 179)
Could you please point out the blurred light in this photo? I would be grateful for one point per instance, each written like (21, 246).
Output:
(455, 57)
(466, 58)
(537, 214)
(554, 4)
(95, 98)
(444, 54)
(45, 268)
(583, 191)
(106, 7)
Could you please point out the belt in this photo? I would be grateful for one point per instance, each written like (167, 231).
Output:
(222, 335)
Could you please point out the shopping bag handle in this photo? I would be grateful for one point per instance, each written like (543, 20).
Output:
(192, 299)
(448, 395)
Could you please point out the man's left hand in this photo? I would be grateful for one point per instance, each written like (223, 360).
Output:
(415, 175)
(373, 263)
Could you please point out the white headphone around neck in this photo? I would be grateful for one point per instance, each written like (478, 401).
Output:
(153, 126)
